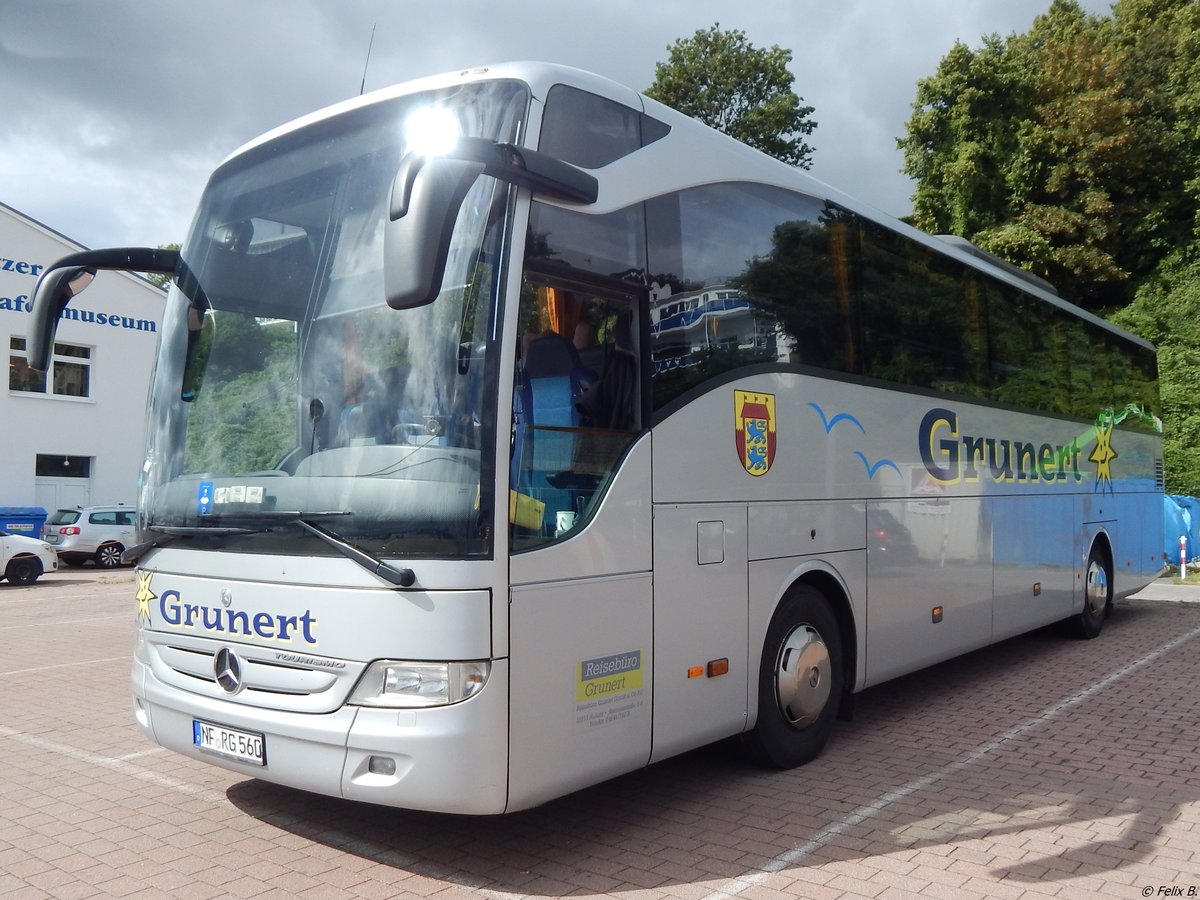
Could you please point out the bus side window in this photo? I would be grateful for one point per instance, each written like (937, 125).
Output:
(610, 402)
(575, 408)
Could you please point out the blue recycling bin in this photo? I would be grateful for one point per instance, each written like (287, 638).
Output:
(26, 521)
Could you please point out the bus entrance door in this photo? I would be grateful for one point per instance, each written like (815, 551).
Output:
(700, 666)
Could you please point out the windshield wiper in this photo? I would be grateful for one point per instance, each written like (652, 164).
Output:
(374, 565)
(192, 530)
(132, 554)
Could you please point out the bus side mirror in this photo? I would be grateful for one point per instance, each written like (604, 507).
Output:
(70, 275)
(200, 328)
(54, 291)
(426, 197)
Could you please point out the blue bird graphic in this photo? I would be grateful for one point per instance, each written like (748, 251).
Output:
(872, 469)
(840, 417)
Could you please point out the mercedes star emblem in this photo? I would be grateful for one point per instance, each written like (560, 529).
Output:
(228, 669)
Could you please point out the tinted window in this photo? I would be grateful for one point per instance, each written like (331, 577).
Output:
(590, 131)
(1029, 362)
(922, 316)
(610, 245)
(1044, 357)
(747, 274)
(103, 518)
(1113, 376)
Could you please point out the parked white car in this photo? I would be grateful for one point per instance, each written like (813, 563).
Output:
(24, 559)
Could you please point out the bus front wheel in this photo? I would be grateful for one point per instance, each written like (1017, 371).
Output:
(800, 681)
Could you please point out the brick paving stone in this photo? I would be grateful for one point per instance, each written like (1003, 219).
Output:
(379, 890)
(328, 892)
(47, 880)
(857, 887)
(917, 796)
(75, 891)
(812, 891)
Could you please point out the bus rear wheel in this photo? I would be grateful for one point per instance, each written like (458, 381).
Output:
(800, 681)
(1097, 597)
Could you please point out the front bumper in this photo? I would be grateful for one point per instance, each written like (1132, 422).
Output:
(447, 759)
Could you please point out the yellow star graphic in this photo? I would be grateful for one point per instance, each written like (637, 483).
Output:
(1103, 455)
(143, 596)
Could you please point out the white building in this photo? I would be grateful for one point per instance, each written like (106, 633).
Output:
(75, 434)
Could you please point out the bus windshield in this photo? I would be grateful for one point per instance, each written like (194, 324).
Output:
(288, 391)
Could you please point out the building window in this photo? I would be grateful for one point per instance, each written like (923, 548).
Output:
(70, 372)
(62, 465)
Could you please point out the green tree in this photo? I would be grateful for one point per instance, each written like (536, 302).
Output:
(1053, 150)
(1161, 40)
(1092, 180)
(1166, 311)
(960, 139)
(1074, 151)
(1186, 74)
(1163, 37)
(723, 80)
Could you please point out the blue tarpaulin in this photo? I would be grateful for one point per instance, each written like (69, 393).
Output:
(1181, 517)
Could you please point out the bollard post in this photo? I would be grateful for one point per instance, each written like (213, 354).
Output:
(1183, 557)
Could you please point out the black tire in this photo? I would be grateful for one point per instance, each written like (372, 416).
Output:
(1097, 596)
(23, 570)
(800, 682)
(108, 556)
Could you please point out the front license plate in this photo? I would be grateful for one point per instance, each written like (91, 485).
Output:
(240, 745)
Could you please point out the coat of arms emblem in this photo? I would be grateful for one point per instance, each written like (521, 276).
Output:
(754, 430)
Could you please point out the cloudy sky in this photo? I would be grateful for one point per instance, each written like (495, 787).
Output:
(113, 112)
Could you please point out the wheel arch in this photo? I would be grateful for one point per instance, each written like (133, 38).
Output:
(1101, 541)
(793, 590)
(836, 592)
(1095, 581)
(831, 582)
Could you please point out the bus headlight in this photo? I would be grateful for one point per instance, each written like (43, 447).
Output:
(393, 683)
